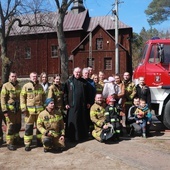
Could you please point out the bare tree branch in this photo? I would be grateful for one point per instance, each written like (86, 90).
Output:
(1, 12)
(57, 3)
(13, 10)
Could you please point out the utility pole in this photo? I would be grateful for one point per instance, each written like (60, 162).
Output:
(90, 49)
(117, 62)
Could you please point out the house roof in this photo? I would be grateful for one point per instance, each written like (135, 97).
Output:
(87, 36)
(72, 22)
(106, 22)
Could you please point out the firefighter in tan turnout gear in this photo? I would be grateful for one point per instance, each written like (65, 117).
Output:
(98, 118)
(32, 99)
(55, 91)
(10, 107)
(50, 123)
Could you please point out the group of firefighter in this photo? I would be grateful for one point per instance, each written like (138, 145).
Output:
(42, 105)
(32, 101)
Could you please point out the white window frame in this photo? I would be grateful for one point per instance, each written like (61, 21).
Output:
(54, 51)
(27, 52)
(108, 63)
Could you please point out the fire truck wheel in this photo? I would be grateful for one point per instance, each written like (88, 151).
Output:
(166, 116)
(160, 118)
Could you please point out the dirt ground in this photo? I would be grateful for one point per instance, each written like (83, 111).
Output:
(129, 153)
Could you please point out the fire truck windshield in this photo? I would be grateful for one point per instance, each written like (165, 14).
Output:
(160, 53)
(166, 54)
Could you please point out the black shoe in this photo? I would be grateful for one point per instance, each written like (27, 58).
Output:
(19, 141)
(1, 142)
(117, 138)
(27, 148)
(39, 144)
(61, 149)
(131, 132)
(46, 150)
(11, 147)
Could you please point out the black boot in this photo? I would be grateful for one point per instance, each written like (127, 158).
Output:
(11, 147)
(1, 141)
(27, 148)
(39, 143)
(46, 150)
(19, 141)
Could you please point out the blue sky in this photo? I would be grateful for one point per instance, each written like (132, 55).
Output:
(131, 12)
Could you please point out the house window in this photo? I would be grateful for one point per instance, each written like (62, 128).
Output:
(99, 44)
(54, 51)
(91, 63)
(108, 63)
(27, 53)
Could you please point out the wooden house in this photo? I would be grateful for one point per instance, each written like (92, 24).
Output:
(89, 40)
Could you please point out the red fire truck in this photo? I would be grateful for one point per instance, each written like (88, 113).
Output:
(155, 67)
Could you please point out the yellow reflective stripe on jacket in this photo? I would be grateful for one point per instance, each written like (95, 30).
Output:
(112, 120)
(117, 131)
(55, 119)
(62, 132)
(38, 91)
(7, 119)
(54, 132)
(58, 117)
(3, 91)
(39, 136)
(23, 92)
(129, 102)
(58, 92)
(92, 113)
(39, 120)
(23, 106)
(98, 123)
(35, 108)
(51, 120)
(10, 107)
(43, 131)
(106, 113)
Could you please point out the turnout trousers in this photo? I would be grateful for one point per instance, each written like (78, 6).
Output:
(30, 119)
(13, 123)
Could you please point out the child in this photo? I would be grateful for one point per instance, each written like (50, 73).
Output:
(143, 116)
(112, 116)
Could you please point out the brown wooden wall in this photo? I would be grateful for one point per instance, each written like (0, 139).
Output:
(41, 52)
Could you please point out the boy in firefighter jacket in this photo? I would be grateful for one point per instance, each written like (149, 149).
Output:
(143, 116)
(51, 125)
(112, 116)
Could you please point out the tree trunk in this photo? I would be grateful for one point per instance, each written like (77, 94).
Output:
(62, 48)
(6, 63)
(6, 67)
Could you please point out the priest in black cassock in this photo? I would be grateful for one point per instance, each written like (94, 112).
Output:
(76, 99)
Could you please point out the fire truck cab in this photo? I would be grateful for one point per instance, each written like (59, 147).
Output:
(155, 67)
